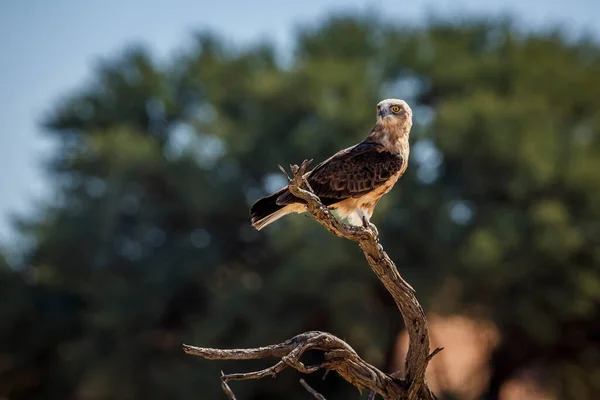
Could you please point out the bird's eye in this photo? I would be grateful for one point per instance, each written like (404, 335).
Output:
(396, 109)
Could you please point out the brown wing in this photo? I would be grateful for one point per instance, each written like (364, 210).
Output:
(350, 173)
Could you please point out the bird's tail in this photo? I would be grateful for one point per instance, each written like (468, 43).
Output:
(266, 211)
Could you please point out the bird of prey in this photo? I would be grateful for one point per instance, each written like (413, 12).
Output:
(353, 180)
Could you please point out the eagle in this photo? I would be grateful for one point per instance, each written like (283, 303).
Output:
(352, 181)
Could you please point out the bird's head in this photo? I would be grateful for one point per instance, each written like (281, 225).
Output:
(394, 111)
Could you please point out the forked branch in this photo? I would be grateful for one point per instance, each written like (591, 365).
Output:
(338, 355)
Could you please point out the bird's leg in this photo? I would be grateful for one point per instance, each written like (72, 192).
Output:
(365, 218)
(362, 216)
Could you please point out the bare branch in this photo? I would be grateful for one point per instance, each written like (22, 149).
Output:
(338, 355)
(226, 388)
(312, 391)
(433, 353)
(385, 269)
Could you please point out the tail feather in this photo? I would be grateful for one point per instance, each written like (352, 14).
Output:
(261, 223)
(266, 211)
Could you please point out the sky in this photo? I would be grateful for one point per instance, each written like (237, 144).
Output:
(49, 48)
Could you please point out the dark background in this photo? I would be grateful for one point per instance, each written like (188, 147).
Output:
(147, 243)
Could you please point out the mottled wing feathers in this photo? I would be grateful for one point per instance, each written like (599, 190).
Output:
(352, 172)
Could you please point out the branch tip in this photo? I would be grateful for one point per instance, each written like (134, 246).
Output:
(284, 172)
(433, 353)
(312, 391)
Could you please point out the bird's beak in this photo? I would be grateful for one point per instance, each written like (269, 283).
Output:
(383, 112)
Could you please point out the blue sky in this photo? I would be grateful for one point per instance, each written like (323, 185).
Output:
(50, 47)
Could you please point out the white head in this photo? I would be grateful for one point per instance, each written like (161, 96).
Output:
(394, 111)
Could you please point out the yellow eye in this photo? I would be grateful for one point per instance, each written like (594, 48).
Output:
(395, 109)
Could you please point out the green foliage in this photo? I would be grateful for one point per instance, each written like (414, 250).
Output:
(148, 243)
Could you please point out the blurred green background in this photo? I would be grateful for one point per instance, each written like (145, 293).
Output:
(145, 243)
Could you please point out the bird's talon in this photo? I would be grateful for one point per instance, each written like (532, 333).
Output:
(365, 222)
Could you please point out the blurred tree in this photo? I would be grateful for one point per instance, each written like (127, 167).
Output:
(148, 244)
(516, 130)
(36, 323)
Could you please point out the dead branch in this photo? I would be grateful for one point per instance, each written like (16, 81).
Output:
(312, 391)
(338, 355)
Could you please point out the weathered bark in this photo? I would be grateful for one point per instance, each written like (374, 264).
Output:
(338, 355)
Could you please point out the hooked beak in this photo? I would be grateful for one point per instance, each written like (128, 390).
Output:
(383, 112)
